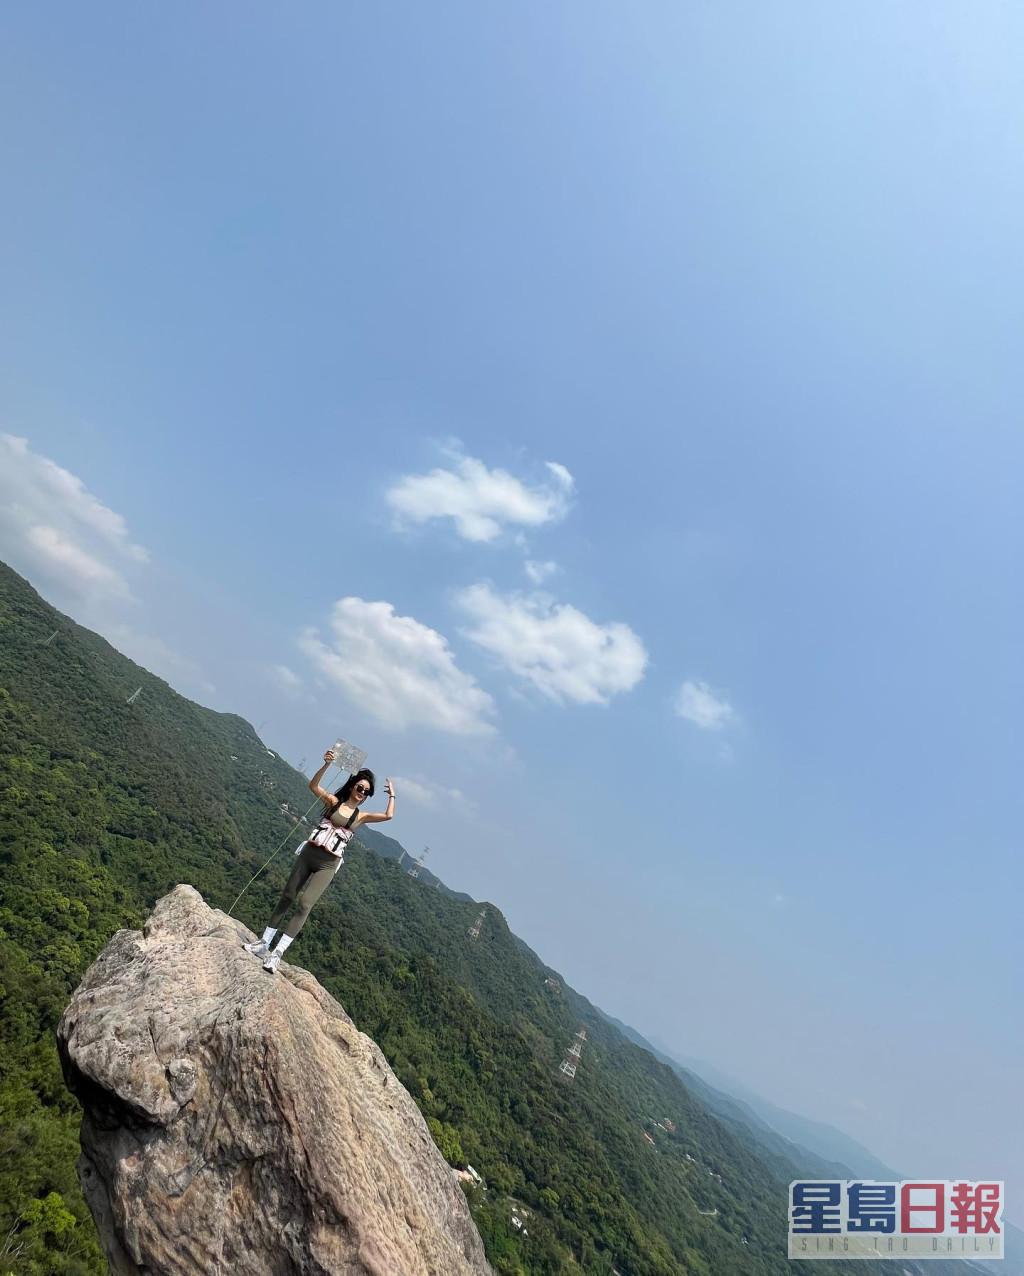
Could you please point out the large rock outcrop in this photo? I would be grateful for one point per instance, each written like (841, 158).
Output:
(238, 1122)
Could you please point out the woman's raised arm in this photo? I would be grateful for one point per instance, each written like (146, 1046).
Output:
(378, 817)
(314, 784)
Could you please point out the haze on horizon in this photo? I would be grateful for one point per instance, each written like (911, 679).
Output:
(611, 423)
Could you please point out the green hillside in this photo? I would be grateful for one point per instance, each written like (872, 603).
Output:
(106, 806)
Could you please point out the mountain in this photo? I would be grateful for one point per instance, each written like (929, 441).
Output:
(820, 1149)
(818, 1137)
(107, 805)
(389, 849)
(747, 1125)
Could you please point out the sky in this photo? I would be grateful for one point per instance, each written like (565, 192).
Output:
(609, 418)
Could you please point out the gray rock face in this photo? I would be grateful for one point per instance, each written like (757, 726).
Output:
(238, 1122)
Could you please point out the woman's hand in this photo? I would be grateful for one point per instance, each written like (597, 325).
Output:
(329, 756)
(389, 788)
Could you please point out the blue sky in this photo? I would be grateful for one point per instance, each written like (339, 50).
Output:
(610, 420)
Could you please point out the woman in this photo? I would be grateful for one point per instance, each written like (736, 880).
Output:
(320, 857)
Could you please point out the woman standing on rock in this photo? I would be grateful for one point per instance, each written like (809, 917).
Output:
(321, 856)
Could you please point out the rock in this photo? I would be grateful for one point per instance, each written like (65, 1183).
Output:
(238, 1122)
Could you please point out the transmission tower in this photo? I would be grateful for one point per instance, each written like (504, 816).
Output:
(418, 865)
(134, 696)
(474, 930)
(50, 639)
(571, 1060)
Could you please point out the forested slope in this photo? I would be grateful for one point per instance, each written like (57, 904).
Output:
(106, 806)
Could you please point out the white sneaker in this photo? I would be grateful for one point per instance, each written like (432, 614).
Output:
(273, 960)
(258, 949)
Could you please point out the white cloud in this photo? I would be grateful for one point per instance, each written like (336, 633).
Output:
(68, 560)
(562, 652)
(425, 793)
(697, 703)
(539, 572)
(398, 670)
(482, 502)
(562, 475)
(54, 529)
(79, 552)
(286, 679)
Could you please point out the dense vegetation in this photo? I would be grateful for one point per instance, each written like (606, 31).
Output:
(105, 806)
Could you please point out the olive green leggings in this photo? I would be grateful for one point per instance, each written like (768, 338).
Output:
(310, 877)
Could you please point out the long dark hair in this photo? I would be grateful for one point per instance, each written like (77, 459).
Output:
(345, 791)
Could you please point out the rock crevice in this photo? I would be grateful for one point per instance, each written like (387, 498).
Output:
(239, 1122)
